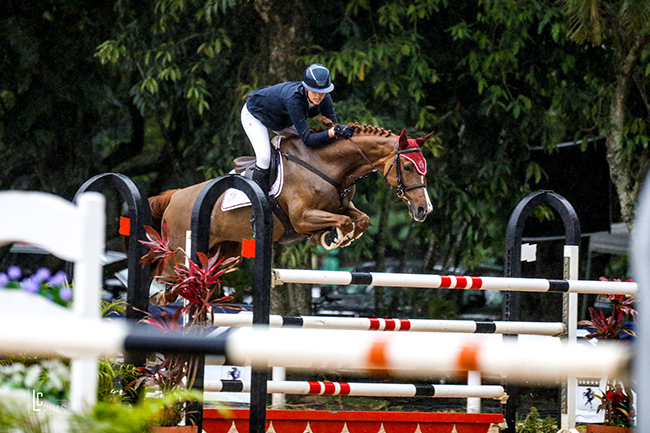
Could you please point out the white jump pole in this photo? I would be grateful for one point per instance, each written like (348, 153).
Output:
(416, 355)
(410, 325)
(423, 355)
(363, 389)
(303, 276)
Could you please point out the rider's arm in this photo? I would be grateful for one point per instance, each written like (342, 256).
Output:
(298, 113)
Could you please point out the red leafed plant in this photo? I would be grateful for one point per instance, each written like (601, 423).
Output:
(616, 401)
(200, 286)
(612, 325)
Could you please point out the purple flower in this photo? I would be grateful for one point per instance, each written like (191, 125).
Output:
(58, 279)
(14, 272)
(30, 285)
(42, 275)
(65, 293)
(4, 280)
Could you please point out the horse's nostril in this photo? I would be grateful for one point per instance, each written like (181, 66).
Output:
(422, 211)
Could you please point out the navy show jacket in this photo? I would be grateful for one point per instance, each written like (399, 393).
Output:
(285, 104)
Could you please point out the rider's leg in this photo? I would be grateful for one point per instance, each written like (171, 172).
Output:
(259, 138)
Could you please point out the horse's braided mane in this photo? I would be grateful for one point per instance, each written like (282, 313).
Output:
(358, 129)
(370, 130)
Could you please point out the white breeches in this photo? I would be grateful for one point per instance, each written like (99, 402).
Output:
(258, 135)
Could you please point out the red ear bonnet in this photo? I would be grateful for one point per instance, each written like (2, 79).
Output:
(415, 157)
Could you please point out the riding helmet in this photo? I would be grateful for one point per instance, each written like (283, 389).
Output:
(317, 78)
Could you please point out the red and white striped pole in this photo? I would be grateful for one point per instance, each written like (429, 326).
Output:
(411, 325)
(363, 389)
(303, 276)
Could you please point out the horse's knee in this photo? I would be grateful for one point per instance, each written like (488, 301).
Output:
(362, 223)
(347, 225)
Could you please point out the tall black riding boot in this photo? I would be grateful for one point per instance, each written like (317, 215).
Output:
(261, 176)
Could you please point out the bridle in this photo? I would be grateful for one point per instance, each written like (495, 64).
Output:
(400, 189)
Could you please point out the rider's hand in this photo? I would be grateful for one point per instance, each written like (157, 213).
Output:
(343, 131)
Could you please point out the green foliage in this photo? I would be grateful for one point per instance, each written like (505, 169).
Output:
(105, 417)
(114, 380)
(14, 417)
(115, 418)
(534, 424)
(153, 89)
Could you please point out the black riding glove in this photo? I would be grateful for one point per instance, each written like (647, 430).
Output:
(343, 131)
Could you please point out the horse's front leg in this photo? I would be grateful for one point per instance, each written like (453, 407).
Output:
(361, 222)
(316, 220)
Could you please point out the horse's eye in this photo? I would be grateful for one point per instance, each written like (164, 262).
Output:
(408, 167)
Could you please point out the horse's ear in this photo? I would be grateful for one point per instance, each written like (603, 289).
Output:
(403, 140)
(420, 141)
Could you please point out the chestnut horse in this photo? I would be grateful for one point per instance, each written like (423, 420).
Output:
(317, 192)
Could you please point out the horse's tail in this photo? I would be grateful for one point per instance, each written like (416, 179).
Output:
(158, 204)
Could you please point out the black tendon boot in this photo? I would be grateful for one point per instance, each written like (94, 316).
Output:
(261, 176)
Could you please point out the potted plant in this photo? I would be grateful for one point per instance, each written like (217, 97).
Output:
(199, 285)
(534, 424)
(616, 400)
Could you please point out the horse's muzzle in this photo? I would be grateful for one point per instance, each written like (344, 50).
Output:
(421, 213)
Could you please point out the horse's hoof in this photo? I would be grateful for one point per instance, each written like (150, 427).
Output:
(348, 238)
(331, 239)
(348, 242)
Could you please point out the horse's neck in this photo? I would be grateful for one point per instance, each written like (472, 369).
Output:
(345, 158)
(366, 153)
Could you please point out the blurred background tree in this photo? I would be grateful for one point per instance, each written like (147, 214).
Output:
(153, 89)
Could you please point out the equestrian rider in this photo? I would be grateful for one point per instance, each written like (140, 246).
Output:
(285, 107)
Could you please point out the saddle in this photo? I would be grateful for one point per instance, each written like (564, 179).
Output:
(244, 165)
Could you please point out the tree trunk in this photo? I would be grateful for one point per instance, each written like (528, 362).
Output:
(291, 299)
(286, 32)
(619, 160)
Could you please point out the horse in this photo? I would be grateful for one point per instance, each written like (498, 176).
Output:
(316, 197)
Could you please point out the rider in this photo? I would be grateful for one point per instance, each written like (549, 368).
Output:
(285, 107)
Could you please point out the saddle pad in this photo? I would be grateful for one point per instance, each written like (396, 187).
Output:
(234, 198)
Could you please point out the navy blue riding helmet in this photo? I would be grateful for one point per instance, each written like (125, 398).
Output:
(317, 78)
